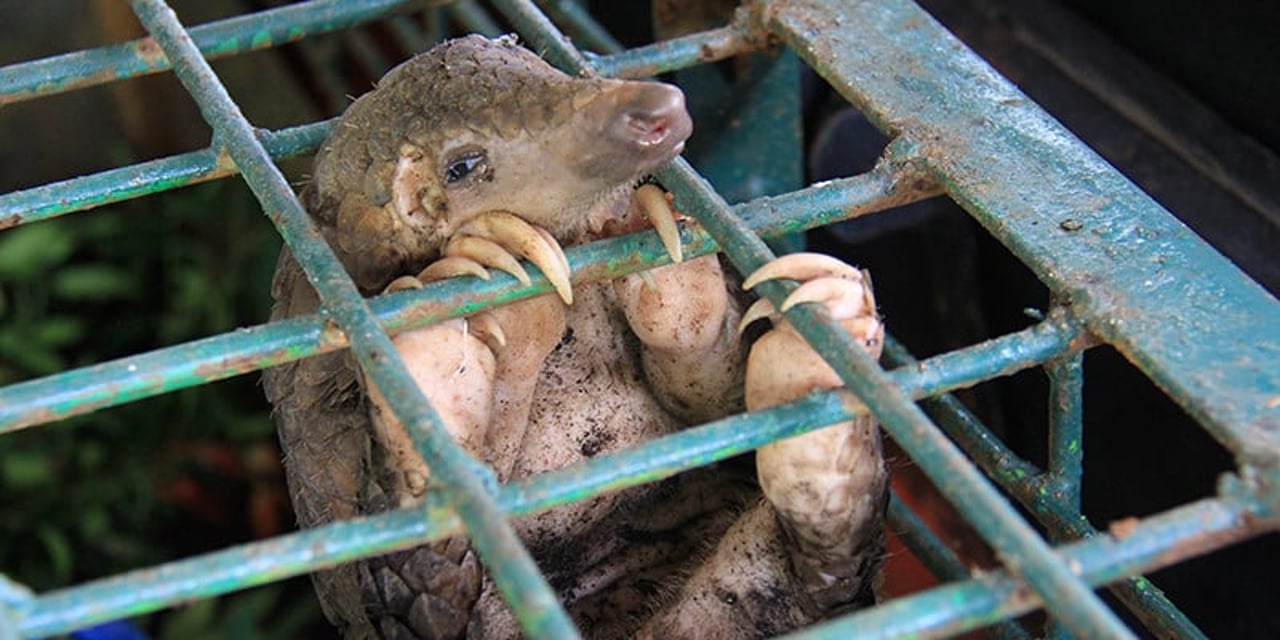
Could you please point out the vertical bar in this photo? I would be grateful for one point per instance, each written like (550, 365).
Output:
(1018, 545)
(1066, 426)
(582, 25)
(1066, 448)
(509, 563)
(939, 559)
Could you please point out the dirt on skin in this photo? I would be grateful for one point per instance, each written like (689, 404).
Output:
(476, 126)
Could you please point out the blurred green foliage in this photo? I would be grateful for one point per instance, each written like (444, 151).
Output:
(164, 478)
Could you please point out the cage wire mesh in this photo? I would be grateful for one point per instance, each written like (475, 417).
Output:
(1115, 262)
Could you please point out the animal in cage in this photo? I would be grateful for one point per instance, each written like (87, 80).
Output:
(476, 153)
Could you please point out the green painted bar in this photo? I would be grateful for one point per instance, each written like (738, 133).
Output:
(86, 389)
(86, 192)
(225, 571)
(938, 558)
(1139, 236)
(582, 26)
(1187, 317)
(1066, 426)
(677, 53)
(117, 185)
(991, 515)
(240, 34)
(509, 563)
(1027, 484)
(1159, 541)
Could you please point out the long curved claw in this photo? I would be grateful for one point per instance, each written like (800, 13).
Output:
(449, 267)
(825, 280)
(801, 266)
(653, 203)
(522, 238)
(761, 308)
(402, 283)
(842, 300)
(487, 328)
(486, 252)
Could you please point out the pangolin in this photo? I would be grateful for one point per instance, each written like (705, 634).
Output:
(475, 153)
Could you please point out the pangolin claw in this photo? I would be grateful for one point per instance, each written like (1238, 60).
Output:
(825, 280)
(402, 283)
(761, 308)
(515, 235)
(653, 203)
(485, 252)
(487, 328)
(450, 267)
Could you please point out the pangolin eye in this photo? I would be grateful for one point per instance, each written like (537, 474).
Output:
(463, 166)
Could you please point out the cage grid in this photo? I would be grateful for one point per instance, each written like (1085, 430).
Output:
(1121, 269)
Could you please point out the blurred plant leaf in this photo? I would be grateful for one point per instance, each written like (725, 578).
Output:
(29, 354)
(59, 331)
(22, 469)
(30, 250)
(95, 281)
(192, 621)
(59, 552)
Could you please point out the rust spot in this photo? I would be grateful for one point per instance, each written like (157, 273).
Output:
(10, 221)
(1123, 528)
(150, 52)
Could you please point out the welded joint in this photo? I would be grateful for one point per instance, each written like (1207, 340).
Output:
(1257, 486)
(905, 162)
(750, 24)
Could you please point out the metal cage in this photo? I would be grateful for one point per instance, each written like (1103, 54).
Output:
(1115, 261)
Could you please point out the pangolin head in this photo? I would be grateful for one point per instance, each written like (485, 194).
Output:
(477, 125)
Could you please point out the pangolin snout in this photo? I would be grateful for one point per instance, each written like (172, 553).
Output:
(653, 118)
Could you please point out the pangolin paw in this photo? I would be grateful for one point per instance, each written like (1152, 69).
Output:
(827, 485)
(844, 290)
(495, 239)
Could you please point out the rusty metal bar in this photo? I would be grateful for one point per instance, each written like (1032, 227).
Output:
(86, 389)
(510, 564)
(1177, 309)
(241, 34)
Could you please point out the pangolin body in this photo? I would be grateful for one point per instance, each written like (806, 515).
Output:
(476, 126)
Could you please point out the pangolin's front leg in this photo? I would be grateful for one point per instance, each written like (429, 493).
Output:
(812, 546)
(827, 486)
(684, 316)
(478, 372)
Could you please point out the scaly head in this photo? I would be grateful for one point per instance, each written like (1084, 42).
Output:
(478, 125)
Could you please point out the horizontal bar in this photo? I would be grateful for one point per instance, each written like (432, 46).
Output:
(1040, 494)
(937, 557)
(241, 34)
(249, 565)
(1158, 541)
(666, 56)
(144, 375)
(1193, 322)
(221, 572)
(495, 542)
(1016, 543)
(125, 183)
